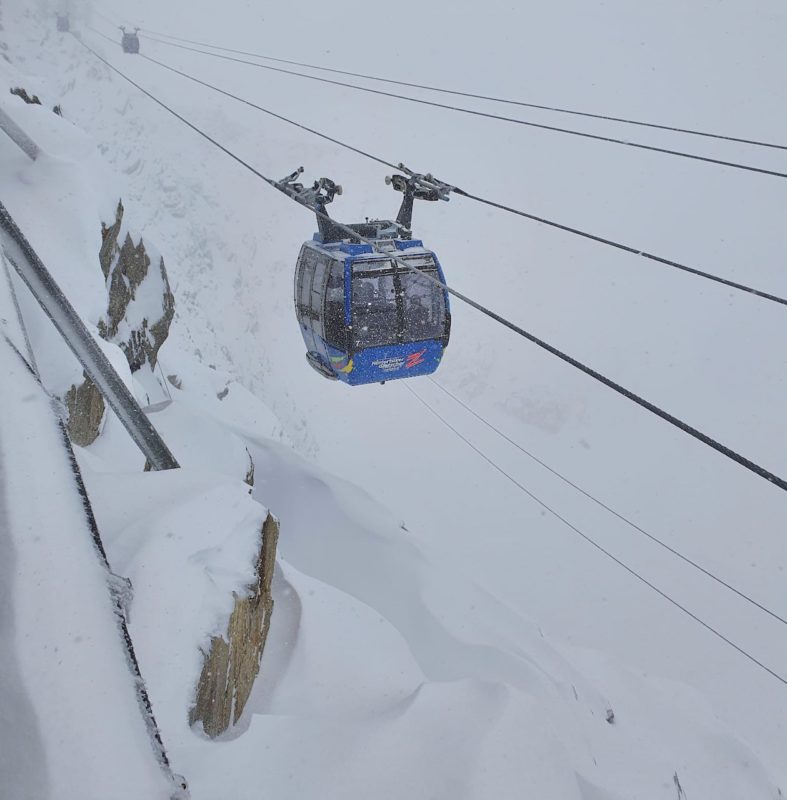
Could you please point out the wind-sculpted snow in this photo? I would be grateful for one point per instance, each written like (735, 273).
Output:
(189, 541)
(498, 707)
(387, 675)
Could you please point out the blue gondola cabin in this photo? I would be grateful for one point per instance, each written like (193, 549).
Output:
(364, 317)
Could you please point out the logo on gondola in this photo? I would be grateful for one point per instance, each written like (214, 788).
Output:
(388, 364)
(342, 363)
(414, 359)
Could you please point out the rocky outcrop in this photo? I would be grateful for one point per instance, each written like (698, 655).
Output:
(140, 308)
(249, 479)
(31, 100)
(233, 662)
(86, 409)
(139, 331)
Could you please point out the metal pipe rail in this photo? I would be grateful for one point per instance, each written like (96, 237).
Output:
(64, 317)
(18, 136)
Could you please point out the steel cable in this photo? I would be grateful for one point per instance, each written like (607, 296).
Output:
(603, 505)
(490, 98)
(485, 201)
(654, 409)
(598, 546)
(486, 114)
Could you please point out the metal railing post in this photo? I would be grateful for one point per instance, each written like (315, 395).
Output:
(19, 137)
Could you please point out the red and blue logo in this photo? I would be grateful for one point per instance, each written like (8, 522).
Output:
(414, 359)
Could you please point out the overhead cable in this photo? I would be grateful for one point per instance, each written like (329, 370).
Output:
(470, 196)
(267, 111)
(485, 114)
(598, 546)
(659, 412)
(474, 96)
(626, 248)
(603, 505)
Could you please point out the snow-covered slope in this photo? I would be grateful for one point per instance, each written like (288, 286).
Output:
(710, 356)
(69, 708)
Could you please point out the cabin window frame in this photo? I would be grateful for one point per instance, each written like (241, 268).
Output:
(335, 322)
(322, 269)
(304, 278)
(425, 263)
(397, 309)
(438, 327)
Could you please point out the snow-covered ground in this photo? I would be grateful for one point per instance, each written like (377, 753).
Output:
(71, 722)
(439, 660)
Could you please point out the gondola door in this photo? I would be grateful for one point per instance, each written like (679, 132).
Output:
(317, 304)
(310, 289)
(304, 277)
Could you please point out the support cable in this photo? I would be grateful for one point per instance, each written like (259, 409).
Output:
(603, 505)
(476, 198)
(267, 111)
(626, 248)
(598, 546)
(490, 98)
(664, 415)
(485, 114)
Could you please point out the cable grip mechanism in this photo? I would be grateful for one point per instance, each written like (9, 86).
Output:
(415, 186)
(424, 187)
(319, 194)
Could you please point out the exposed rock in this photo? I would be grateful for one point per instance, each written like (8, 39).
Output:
(138, 331)
(249, 479)
(109, 239)
(86, 410)
(126, 266)
(175, 381)
(232, 665)
(31, 100)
